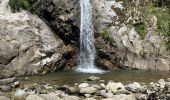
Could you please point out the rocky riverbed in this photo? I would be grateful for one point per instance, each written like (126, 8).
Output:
(93, 88)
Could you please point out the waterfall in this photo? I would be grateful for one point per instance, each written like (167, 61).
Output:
(87, 49)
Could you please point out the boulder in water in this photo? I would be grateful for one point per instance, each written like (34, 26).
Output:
(93, 78)
(83, 85)
(114, 87)
(88, 90)
(7, 81)
(5, 88)
(34, 97)
(4, 98)
(135, 87)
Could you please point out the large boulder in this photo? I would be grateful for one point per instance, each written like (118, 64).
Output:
(27, 44)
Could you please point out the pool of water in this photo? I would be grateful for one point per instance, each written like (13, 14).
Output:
(71, 77)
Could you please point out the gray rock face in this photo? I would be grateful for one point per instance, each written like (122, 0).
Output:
(27, 44)
(131, 50)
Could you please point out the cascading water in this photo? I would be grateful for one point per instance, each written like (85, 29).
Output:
(87, 48)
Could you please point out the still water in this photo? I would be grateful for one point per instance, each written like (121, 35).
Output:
(71, 77)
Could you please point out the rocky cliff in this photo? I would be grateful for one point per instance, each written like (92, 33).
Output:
(27, 44)
(138, 32)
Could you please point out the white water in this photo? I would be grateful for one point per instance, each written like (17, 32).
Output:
(87, 48)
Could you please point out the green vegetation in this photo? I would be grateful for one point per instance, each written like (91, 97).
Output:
(163, 18)
(160, 9)
(168, 37)
(141, 29)
(107, 37)
(17, 5)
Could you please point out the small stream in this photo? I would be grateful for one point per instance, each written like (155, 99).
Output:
(71, 77)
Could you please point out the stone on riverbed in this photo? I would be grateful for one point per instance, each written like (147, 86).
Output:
(103, 86)
(4, 98)
(7, 81)
(114, 87)
(162, 83)
(83, 85)
(89, 99)
(71, 98)
(88, 90)
(34, 97)
(135, 87)
(50, 96)
(93, 78)
(5, 88)
(122, 97)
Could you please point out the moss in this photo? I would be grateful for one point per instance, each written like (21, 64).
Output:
(163, 17)
(17, 5)
(107, 37)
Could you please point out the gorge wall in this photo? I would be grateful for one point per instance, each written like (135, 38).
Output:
(48, 40)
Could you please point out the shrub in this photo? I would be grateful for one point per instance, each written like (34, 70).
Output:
(107, 37)
(17, 5)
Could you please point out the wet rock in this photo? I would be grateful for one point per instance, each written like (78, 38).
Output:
(34, 97)
(16, 84)
(83, 85)
(140, 96)
(71, 98)
(68, 89)
(135, 87)
(20, 93)
(162, 83)
(122, 92)
(122, 97)
(72, 90)
(50, 96)
(87, 95)
(48, 87)
(104, 94)
(43, 91)
(105, 64)
(168, 79)
(114, 87)
(1, 93)
(102, 81)
(96, 86)
(93, 78)
(88, 90)
(103, 86)
(5, 88)
(7, 81)
(60, 93)
(167, 84)
(4, 98)
(26, 79)
(89, 99)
